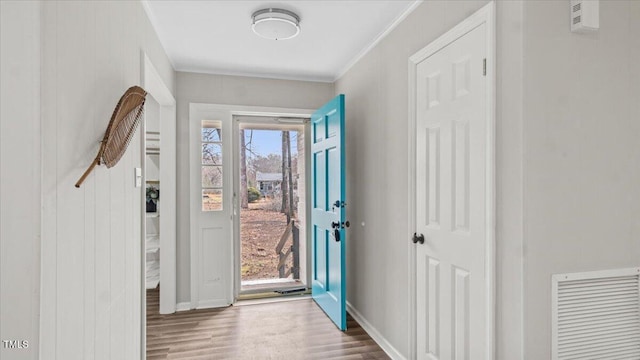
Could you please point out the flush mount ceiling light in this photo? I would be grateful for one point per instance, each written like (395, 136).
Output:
(275, 24)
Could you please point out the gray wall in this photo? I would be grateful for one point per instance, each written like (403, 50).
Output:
(509, 176)
(20, 176)
(228, 90)
(377, 162)
(567, 161)
(581, 153)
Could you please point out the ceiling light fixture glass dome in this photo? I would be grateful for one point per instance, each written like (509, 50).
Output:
(275, 24)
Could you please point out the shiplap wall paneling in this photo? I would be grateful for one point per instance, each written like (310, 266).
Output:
(49, 163)
(91, 290)
(72, 90)
(102, 274)
(20, 176)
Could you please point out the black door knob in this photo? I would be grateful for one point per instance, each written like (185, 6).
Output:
(418, 238)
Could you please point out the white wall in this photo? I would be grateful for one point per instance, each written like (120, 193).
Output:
(20, 176)
(91, 299)
(228, 90)
(581, 153)
(377, 163)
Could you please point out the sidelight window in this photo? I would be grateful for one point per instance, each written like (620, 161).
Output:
(212, 171)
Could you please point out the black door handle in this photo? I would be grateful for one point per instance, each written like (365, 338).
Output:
(418, 238)
(336, 230)
(335, 225)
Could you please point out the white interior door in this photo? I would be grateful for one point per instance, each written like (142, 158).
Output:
(211, 208)
(451, 199)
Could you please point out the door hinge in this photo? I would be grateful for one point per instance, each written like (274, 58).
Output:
(484, 66)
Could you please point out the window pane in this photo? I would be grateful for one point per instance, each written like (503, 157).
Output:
(211, 176)
(211, 199)
(211, 131)
(212, 182)
(211, 154)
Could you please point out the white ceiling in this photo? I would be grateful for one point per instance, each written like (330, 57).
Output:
(216, 36)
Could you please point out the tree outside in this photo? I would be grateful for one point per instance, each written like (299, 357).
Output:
(266, 213)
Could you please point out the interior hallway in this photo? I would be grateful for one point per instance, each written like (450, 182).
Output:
(295, 329)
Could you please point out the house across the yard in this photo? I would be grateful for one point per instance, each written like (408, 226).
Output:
(268, 183)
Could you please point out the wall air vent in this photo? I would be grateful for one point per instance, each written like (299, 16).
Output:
(585, 15)
(596, 315)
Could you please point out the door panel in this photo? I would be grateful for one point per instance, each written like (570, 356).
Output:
(328, 189)
(211, 210)
(450, 200)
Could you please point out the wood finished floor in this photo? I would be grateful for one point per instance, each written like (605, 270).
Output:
(284, 330)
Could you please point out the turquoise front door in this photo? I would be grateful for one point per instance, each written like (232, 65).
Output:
(328, 212)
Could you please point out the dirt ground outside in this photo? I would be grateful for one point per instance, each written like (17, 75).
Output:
(261, 227)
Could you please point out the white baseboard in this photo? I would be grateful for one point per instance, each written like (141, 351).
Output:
(183, 306)
(375, 334)
(208, 304)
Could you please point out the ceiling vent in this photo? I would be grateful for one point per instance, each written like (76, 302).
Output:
(596, 315)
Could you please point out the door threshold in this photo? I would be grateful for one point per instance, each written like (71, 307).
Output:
(271, 297)
(272, 282)
(274, 293)
(267, 286)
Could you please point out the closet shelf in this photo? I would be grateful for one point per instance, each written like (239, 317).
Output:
(152, 244)
(153, 146)
(153, 269)
(152, 284)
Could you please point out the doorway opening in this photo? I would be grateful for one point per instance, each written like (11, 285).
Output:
(157, 225)
(272, 206)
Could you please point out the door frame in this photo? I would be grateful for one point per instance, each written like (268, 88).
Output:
(267, 124)
(153, 84)
(198, 112)
(486, 15)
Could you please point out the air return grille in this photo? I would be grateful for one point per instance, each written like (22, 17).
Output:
(596, 315)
